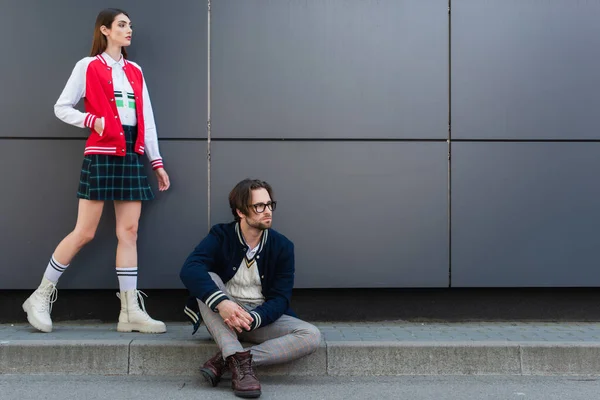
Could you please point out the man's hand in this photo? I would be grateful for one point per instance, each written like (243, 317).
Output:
(234, 316)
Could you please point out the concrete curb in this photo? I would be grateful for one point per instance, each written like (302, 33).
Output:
(560, 358)
(355, 358)
(418, 358)
(80, 357)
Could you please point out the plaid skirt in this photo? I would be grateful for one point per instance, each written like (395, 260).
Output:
(106, 177)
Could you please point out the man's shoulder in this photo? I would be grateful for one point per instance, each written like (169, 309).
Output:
(280, 239)
(223, 228)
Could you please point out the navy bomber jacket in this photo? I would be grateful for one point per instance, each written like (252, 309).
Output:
(222, 252)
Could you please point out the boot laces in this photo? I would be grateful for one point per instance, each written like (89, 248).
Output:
(245, 367)
(139, 294)
(141, 300)
(48, 294)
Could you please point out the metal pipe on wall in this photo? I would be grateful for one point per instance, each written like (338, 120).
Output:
(208, 117)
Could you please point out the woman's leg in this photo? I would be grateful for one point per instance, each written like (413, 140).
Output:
(39, 305)
(132, 317)
(127, 215)
(88, 217)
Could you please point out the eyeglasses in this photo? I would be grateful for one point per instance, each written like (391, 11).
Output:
(260, 207)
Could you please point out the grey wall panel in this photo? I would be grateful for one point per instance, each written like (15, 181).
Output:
(359, 214)
(336, 68)
(173, 222)
(39, 207)
(48, 38)
(525, 214)
(525, 69)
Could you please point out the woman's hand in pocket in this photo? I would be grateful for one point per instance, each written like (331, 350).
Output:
(99, 126)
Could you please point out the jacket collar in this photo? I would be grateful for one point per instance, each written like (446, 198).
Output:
(110, 62)
(261, 244)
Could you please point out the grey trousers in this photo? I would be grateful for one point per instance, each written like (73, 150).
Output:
(284, 340)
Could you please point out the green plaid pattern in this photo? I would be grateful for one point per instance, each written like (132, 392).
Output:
(106, 177)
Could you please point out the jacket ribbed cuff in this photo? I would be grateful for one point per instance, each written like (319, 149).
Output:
(90, 120)
(257, 320)
(156, 164)
(214, 299)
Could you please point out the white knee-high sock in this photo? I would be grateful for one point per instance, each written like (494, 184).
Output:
(54, 270)
(127, 278)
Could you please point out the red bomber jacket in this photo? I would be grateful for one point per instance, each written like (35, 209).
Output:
(92, 78)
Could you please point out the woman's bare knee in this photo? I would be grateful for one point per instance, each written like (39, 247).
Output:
(87, 221)
(83, 236)
(127, 233)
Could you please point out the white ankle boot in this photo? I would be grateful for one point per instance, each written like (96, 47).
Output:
(39, 305)
(134, 318)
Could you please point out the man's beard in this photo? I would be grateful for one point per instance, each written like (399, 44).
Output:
(258, 225)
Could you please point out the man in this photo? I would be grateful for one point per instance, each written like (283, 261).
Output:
(241, 277)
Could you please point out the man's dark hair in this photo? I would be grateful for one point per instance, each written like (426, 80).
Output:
(241, 195)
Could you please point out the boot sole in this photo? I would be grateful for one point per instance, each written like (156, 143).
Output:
(127, 327)
(210, 377)
(32, 321)
(247, 394)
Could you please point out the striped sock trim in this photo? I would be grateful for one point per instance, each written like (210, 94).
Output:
(127, 271)
(57, 266)
(54, 270)
(127, 278)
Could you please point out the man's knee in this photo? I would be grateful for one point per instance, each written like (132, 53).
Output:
(312, 335)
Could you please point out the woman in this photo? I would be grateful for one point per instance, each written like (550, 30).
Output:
(119, 116)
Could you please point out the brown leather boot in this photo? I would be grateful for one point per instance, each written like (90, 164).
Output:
(214, 368)
(243, 380)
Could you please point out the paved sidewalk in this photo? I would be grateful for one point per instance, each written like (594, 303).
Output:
(380, 331)
(348, 349)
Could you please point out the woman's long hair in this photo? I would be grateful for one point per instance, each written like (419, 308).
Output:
(105, 18)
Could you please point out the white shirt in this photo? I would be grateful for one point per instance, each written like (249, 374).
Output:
(124, 97)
